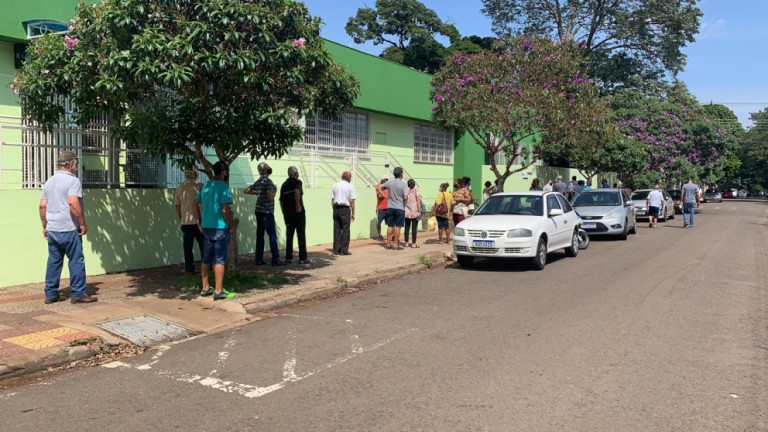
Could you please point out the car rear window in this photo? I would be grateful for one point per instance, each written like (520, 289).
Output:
(675, 194)
(710, 191)
(640, 195)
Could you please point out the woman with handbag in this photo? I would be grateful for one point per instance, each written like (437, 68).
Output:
(412, 201)
(443, 204)
(463, 198)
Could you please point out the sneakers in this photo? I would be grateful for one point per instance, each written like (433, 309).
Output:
(206, 293)
(305, 262)
(223, 295)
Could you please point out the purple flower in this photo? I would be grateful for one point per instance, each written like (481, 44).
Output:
(14, 89)
(434, 108)
(70, 43)
(526, 47)
(299, 43)
(438, 98)
(519, 92)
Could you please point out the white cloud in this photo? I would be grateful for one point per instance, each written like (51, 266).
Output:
(714, 30)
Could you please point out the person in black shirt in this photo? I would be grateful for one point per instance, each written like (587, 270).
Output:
(292, 204)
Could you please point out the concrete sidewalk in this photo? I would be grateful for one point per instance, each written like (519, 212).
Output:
(35, 336)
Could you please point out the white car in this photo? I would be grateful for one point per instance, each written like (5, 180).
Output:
(518, 225)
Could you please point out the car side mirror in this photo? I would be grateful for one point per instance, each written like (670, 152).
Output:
(555, 212)
(630, 203)
(470, 212)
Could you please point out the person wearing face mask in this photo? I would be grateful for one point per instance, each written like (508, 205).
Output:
(265, 191)
(292, 205)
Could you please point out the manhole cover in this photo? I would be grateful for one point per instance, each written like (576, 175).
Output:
(146, 330)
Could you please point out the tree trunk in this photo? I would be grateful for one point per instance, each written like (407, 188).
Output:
(232, 253)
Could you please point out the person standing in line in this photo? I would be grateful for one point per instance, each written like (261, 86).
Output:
(604, 184)
(535, 185)
(487, 191)
(653, 202)
(412, 213)
(395, 208)
(294, 215)
(467, 183)
(690, 202)
(462, 198)
(381, 205)
(218, 223)
(548, 186)
(265, 191)
(186, 212)
(559, 186)
(587, 186)
(61, 213)
(571, 188)
(343, 202)
(443, 205)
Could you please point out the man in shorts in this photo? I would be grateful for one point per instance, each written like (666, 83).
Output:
(398, 189)
(654, 201)
(218, 224)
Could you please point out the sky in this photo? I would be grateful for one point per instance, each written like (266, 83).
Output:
(727, 64)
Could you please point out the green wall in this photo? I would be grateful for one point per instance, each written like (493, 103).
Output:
(385, 86)
(16, 11)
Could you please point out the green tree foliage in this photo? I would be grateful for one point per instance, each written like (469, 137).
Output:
(231, 75)
(678, 136)
(527, 89)
(408, 27)
(753, 152)
(628, 40)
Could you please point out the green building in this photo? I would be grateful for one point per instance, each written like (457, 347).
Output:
(129, 196)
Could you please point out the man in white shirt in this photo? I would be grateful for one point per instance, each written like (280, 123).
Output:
(654, 203)
(343, 203)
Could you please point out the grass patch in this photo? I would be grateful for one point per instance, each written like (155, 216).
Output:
(236, 282)
(425, 260)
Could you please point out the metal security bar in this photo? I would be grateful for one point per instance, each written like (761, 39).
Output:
(432, 144)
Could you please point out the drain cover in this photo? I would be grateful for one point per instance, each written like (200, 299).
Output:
(146, 330)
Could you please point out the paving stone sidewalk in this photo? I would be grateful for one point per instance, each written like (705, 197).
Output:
(34, 335)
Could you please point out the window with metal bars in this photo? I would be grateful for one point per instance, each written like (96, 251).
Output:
(432, 144)
(341, 135)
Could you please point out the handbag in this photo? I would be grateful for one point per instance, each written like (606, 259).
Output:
(441, 208)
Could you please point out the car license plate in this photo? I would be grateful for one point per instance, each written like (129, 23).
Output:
(483, 243)
(641, 212)
(588, 225)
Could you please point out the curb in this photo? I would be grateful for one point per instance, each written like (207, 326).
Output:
(330, 288)
(56, 357)
(18, 366)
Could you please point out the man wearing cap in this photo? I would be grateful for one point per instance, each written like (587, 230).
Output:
(381, 205)
(219, 226)
(265, 191)
(343, 201)
(187, 213)
(61, 212)
(292, 205)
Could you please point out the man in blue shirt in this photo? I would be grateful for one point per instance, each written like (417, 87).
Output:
(218, 225)
(265, 191)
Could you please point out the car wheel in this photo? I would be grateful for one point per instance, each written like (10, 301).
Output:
(540, 260)
(672, 215)
(623, 235)
(573, 249)
(465, 261)
(663, 215)
(633, 230)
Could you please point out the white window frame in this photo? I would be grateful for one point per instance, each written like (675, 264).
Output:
(432, 144)
(347, 133)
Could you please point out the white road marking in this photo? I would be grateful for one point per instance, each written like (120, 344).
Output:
(252, 391)
(7, 396)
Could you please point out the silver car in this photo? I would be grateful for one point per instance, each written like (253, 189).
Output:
(606, 211)
(639, 199)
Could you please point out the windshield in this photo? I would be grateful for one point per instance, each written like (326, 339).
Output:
(675, 194)
(512, 205)
(597, 199)
(641, 195)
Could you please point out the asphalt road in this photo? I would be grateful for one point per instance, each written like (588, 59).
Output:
(667, 331)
